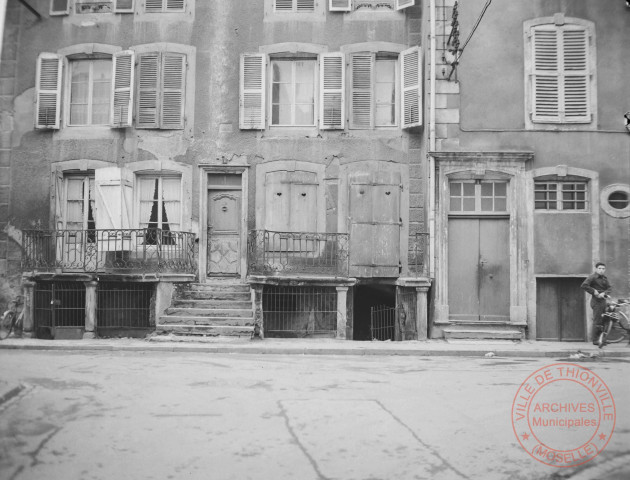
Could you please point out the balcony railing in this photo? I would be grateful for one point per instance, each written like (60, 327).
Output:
(293, 253)
(147, 250)
(419, 254)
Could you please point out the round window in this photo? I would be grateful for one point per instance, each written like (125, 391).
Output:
(618, 200)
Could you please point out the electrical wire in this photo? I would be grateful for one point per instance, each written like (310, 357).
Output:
(485, 7)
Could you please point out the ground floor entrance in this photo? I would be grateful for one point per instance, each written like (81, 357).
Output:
(560, 309)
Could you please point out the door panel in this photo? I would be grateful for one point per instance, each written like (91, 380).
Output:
(224, 234)
(463, 275)
(560, 313)
(494, 271)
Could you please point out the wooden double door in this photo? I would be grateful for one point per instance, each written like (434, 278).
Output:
(560, 309)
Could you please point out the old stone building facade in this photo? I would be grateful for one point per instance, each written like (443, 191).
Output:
(307, 168)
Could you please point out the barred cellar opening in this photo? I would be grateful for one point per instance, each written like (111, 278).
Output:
(294, 312)
(381, 298)
(124, 309)
(59, 310)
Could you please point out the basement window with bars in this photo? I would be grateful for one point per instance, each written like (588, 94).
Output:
(123, 306)
(560, 66)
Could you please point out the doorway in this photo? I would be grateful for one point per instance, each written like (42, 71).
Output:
(224, 225)
(367, 297)
(560, 309)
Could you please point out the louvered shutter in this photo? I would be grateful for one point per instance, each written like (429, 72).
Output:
(361, 91)
(339, 5)
(48, 88)
(172, 101)
(575, 75)
(283, 5)
(123, 6)
(400, 4)
(174, 5)
(252, 94)
(148, 90)
(59, 7)
(153, 5)
(332, 80)
(411, 95)
(545, 78)
(305, 5)
(122, 89)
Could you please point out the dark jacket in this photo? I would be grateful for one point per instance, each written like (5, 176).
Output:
(596, 283)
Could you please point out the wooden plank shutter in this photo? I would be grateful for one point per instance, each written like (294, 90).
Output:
(411, 91)
(48, 88)
(123, 6)
(113, 205)
(305, 5)
(252, 94)
(123, 66)
(148, 90)
(59, 199)
(332, 78)
(173, 94)
(361, 91)
(153, 5)
(59, 7)
(174, 5)
(576, 78)
(339, 5)
(545, 75)
(400, 4)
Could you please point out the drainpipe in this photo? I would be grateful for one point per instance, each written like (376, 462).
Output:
(3, 11)
(431, 173)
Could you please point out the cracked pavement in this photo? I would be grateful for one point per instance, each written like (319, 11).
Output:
(161, 415)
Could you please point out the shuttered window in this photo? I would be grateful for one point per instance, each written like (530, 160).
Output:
(560, 74)
(293, 92)
(48, 90)
(122, 89)
(161, 90)
(252, 92)
(293, 6)
(164, 6)
(90, 89)
(332, 80)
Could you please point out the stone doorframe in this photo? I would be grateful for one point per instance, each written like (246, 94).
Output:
(509, 166)
(204, 170)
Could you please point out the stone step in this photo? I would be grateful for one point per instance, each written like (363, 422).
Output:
(231, 287)
(214, 295)
(211, 304)
(207, 330)
(199, 320)
(462, 333)
(210, 312)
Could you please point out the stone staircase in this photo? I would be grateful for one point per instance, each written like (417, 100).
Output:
(216, 308)
(483, 331)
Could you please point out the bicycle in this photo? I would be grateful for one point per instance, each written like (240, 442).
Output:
(11, 320)
(615, 326)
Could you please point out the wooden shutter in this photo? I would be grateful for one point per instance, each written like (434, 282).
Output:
(174, 5)
(148, 90)
(332, 79)
(339, 5)
(59, 7)
(122, 88)
(48, 88)
(252, 94)
(58, 191)
(153, 5)
(545, 75)
(361, 91)
(173, 94)
(113, 205)
(305, 5)
(400, 4)
(411, 91)
(123, 6)
(575, 43)
(283, 5)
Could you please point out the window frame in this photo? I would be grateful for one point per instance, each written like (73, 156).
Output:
(316, 91)
(559, 23)
(159, 176)
(67, 100)
(479, 197)
(165, 7)
(295, 4)
(605, 194)
(560, 200)
(87, 180)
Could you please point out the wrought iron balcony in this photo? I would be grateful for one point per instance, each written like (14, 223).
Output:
(297, 253)
(148, 250)
(419, 254)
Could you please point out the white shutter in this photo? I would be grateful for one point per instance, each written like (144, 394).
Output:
(122, 88)
(113, 202)
(148, 90)
(59, 7)
(48, 90)
(361, 91)
(123, 6)
(576, 75)
(174, 5)
(59, 200)
(545, 75)
(339, 5)
(332, 79)
(283, 5)
(173, 90)
(252, 91)
(153, 5)
(400, 4)
(411, 91)
(305, 5)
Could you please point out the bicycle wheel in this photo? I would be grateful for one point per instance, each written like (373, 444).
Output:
(617, 333)
(6, 324)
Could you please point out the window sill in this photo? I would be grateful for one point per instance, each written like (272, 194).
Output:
(88, 133)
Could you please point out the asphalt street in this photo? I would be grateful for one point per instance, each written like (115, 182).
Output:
(194, 415)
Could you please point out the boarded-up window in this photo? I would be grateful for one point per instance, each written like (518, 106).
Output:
(291, 201)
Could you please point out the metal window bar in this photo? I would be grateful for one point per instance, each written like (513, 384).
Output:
(59, 305)
(383, 322)
(124, 306)
(113, 250)
(300, 311)
(273, 252)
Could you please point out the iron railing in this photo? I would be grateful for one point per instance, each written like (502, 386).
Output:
(297, 253)
(147, 250)
(418, 255)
